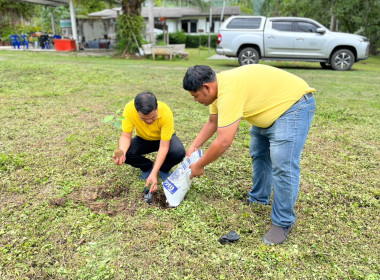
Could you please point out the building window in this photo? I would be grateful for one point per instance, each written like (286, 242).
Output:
(189, 26)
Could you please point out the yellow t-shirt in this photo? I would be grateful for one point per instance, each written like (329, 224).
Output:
(161, 129)
(257, 93)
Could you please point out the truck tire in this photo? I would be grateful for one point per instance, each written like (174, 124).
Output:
(248, 56)
(342, 60)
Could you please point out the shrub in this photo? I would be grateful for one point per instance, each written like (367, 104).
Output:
(177, 38)
(191, 41)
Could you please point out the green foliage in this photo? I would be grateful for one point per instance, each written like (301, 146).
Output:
(91, 6)
(117, 120)
(44, 18)
(127, 28)
(245, 5)
(7, 30)
(10, 14)
(191, 41)
(9, 163)
(9, 8)
(177, 38)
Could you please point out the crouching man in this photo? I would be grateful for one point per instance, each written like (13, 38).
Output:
(154, 125)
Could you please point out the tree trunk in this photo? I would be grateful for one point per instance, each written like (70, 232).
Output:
(151, 23)
(130, 25)
(332, 21)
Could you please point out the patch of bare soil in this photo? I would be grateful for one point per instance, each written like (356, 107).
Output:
(58, 201)
(112, 202)
(159, 199)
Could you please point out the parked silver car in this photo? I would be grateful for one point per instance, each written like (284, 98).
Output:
(251, 38)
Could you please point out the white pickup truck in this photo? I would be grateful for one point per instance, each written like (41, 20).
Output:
(251, 38)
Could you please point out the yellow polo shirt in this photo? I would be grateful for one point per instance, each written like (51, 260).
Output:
(257, 93)
(161, 129)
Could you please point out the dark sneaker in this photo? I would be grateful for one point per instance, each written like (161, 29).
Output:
(164, 175)
(277, 235)
(145, 174)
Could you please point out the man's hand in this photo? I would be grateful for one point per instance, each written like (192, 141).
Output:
(196, 170)
(119, 157)
(152, 179)
(191, 150)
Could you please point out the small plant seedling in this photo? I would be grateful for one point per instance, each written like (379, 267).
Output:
(117, 120)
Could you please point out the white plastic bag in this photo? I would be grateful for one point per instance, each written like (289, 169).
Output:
(178, 183)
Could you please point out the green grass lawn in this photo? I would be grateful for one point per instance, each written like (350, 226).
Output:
(67, 212)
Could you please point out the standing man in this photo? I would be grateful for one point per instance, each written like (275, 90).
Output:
(280, 106)
(154, 125)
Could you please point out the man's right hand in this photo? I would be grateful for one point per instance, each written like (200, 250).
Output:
(119, 157)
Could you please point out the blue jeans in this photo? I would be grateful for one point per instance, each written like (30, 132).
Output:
(276, 154)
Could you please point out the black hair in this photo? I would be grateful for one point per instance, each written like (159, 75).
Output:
(145, 102)
(197, 76)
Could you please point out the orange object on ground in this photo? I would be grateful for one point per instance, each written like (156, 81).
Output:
(65, 45)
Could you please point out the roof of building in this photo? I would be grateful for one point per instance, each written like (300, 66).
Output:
(54, 3)
(171, 12)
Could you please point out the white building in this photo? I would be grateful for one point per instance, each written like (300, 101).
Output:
(189, 20)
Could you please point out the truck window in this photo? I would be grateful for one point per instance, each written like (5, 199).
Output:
(244, 23)
(306, 27)
(282, 25)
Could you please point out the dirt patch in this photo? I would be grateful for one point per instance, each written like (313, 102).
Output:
(58, 201)
(159, 199)
(112, 202)
(98, 207)
(109, 193)
(93, 194)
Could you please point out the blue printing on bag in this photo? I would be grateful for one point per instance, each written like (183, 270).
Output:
(170, 186)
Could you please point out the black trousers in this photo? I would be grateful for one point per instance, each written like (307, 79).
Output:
(140, 147)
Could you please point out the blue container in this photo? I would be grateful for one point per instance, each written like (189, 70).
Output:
(93, 44)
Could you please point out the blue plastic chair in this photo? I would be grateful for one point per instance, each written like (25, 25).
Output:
(15, 41)
(25, 41)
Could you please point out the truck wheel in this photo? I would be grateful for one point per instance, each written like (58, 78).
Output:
(248, 56)
(325, 65)
(342, 60)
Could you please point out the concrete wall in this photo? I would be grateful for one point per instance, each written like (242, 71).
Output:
(93, 29)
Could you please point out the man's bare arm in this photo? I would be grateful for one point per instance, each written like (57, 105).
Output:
(222, 142)
(206, 133)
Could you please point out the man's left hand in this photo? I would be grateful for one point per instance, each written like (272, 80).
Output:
(196, 170)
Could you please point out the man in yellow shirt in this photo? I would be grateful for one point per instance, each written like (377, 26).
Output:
(154, 125)
(280, 106)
